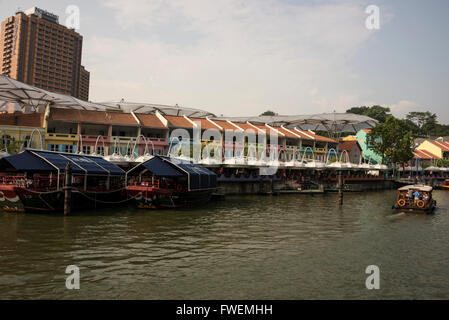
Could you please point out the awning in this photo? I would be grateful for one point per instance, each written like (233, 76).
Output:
(159, 168)
(80, 163)
(199, 176)
(39, 161)
(25, 162)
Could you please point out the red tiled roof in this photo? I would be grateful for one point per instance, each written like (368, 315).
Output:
(348, 145)
(312, 136)
(252, 127)
(287, 133)
(22, 119)
(423, 154)
(442, 145)
(87, 116)
(225, 125)
(303, 134)
(150, 121)
(205, 124)
(178, 121)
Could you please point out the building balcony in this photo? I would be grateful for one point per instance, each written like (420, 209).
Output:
(157, 141)
(122, 139)
(175, 141)
(292, 148)
(87, 138)
(69, 137)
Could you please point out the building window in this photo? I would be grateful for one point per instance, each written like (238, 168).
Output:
(68, 148)
(53, 147)
(86, 149)
(100, 150)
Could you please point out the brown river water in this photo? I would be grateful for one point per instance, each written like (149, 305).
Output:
(247, 247)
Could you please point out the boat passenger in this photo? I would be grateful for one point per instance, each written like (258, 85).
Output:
(417, 195)
(410, 195)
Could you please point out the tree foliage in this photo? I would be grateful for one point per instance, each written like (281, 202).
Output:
(269, 113)
(376, 112)
(422, 123)
(393, 140)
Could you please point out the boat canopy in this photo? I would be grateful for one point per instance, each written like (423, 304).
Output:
(417, 187)
(159, 168)
(47, 161)
(198, 177)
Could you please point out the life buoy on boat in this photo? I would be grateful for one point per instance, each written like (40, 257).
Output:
(401, 202)
(420, 204)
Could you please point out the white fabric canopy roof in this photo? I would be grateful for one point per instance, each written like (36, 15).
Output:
(150, 108)
(25, 95)
(331, 122)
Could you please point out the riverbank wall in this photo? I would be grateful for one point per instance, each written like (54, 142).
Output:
(269, 187)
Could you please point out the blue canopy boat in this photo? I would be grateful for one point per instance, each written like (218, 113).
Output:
(163, 182)
(33, 180)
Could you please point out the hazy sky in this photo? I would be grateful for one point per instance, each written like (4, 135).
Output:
(242, 57)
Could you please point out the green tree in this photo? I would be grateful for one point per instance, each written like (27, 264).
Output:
(425, 122)
(269, 113)
(376, 112)
(358, 110)
(393, 140)
(441, 130)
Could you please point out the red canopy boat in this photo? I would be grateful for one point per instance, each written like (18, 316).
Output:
(163, 182)
(33, 180)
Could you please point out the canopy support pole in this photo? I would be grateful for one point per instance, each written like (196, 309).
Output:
(340, 188)
(68, 189)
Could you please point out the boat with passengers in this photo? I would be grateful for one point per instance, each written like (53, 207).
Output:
(163, 182)
(415, 199)
(445, 184)
(33, 180)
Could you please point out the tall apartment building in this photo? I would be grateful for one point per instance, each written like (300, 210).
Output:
(36, 49)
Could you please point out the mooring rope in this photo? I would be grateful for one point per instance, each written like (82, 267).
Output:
(106, 202)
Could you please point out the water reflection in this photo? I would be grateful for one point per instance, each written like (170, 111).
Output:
(248, 247)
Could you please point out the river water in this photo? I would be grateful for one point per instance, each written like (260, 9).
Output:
(247, 247)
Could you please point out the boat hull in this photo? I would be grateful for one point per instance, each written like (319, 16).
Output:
(151, 198)
(407, 209)
(19, 199)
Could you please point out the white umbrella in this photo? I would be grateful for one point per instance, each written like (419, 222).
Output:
(366, 166)
(144, 158)
(209, 161)
(351, 165)
(315, 165)
(299, 164)
(380, 167)
(229, 161)
(337, 165)
(114, 158)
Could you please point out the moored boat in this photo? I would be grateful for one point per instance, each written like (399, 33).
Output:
(33, 180)
(415, 199)
(445, 184)
(163, 182)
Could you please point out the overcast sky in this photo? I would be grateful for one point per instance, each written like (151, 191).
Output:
(242, 57)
